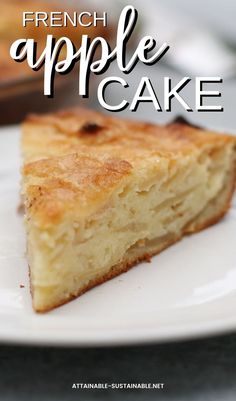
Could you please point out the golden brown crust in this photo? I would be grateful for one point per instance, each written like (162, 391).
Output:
(112, 131)
(66, 183)
(92, 132)
(94, 154)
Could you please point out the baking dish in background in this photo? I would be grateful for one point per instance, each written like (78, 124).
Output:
(21, 89)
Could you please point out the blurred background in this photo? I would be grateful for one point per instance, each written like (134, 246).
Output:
(202, 39)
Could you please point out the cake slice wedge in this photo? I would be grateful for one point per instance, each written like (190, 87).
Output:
(103, 193)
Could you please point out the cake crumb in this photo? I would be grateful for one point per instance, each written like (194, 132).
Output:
(20, 208)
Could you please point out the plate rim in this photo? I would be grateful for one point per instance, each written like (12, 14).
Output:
(86, 337)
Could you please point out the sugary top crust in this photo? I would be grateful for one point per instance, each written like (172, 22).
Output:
(75, 159)
(70, 130)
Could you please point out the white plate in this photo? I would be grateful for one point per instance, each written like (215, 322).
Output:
(187, 291)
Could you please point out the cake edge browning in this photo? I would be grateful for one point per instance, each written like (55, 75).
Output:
(188, 137)
(123, 267)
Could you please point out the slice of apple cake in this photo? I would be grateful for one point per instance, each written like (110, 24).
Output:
(103, 193)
